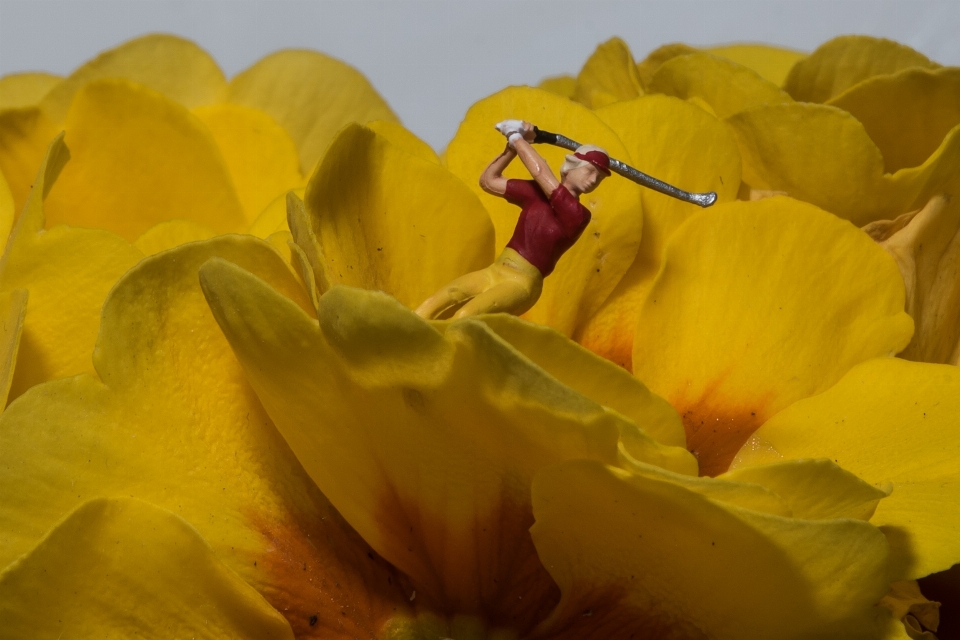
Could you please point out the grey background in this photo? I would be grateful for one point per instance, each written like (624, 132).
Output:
(431, 59)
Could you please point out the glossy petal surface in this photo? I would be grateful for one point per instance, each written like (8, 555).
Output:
(139, 159)
(724, 85)
(20, 90)
(908, 114)
(68, 273)
(175, 67)
(121, 568)
(589, 271)
(845, 61)
(609, 75)
(391, 221)
(685, 146)
(729, 342)
(311, 95)
(887, 420)
(639, 556)
(259, 154)
(175, 423)
(425, 442)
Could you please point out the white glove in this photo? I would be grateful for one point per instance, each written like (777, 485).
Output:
(509, 127)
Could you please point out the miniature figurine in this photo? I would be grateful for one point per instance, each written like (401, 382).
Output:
(551, 221)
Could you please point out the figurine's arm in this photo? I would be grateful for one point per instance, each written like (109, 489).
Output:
(535, 164)
(492, 180)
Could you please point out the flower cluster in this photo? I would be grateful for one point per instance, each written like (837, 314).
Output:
(225, 421)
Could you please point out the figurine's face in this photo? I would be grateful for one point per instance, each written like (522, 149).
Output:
(584, 178)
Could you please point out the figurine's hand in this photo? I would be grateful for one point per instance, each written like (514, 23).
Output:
(528, 132)
(509, 127)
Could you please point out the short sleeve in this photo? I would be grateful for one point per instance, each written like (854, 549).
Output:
(519, 192)
(568, 208)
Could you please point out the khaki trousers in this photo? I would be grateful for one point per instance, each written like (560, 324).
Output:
(509, 285)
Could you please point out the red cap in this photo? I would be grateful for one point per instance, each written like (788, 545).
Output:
(598, 159)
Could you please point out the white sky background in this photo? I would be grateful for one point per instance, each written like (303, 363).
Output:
(432, 59)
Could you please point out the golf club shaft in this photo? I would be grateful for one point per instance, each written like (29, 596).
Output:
(625, 170)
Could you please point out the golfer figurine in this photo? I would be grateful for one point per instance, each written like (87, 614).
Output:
(551, 221)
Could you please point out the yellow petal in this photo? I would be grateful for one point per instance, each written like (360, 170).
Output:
(747, 495)
(13, 307)
(736, 327)
(641, 557)
(907, 603)
(176, 424)
(311, 95)
(887, 420)
(306, 251)
(814, 489)
(177, 68)
(425, 442)
(845, 61)
(68, 273)
(726, 86)
(139, 159)
(25, 89)
(259, 154)
(6, 210)
(388, 220)
(588, 272)
(823, 155)
(400, 136)
(609, 75)
(24, 137)
(944, 587)
(562, 85)
(170, 234)
(772, 63)
(649, 65)
(927, 251)
(907, 115)
(684, 146)
(592, 376)
(273, 218)
(121, 568)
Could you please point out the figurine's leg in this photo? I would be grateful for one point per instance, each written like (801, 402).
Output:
(515, 286)
(503, 297)
(514, 292)
(457, 292)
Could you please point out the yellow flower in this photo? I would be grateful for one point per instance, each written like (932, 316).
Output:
(163, 151)
(864, 128)
(267, 445)
(437, 448)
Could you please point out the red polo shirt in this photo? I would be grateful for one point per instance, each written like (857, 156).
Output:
(547, 226)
